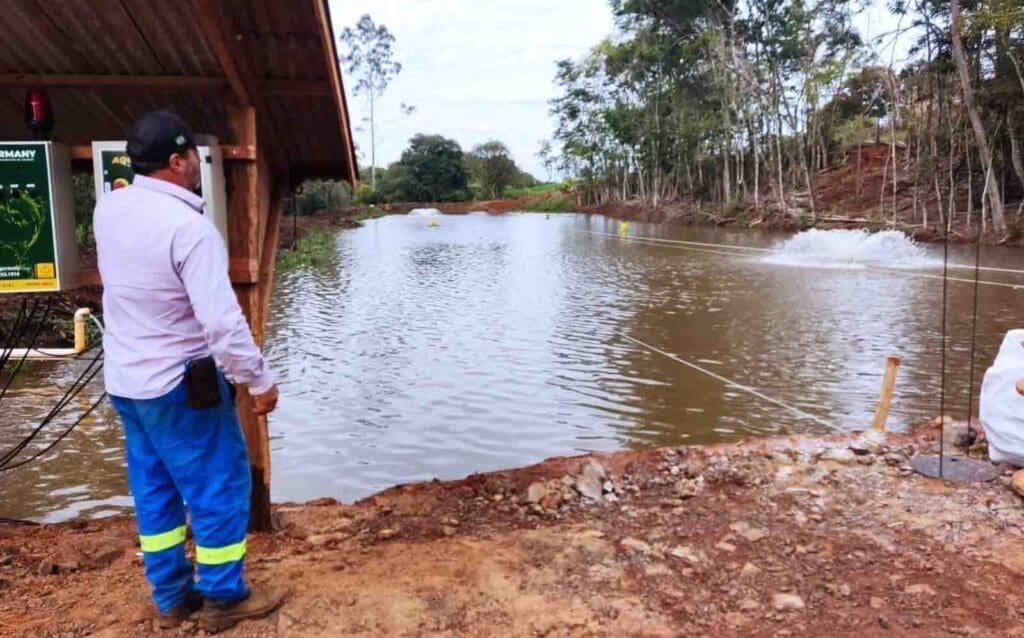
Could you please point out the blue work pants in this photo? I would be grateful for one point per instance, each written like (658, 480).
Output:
(180, 455)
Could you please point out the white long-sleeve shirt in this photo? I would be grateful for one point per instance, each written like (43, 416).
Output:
(167, 298)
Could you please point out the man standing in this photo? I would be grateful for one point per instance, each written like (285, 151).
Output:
(175, 343)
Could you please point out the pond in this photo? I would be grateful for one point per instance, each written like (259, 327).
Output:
(437, 346)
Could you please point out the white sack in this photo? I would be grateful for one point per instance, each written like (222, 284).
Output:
(1001, 408)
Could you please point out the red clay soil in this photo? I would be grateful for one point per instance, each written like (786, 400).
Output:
(786, 537)
(855, 187)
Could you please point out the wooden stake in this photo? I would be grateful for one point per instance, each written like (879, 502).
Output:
(892, 364)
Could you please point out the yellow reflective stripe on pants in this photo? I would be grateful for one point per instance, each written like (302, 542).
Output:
(220, 555)
(160, 542)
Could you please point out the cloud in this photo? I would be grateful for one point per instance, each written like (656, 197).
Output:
(474, 70)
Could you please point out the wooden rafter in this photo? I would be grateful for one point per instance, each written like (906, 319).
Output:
(157, 82)
(210, 21)
(216, 26)
(296, 87)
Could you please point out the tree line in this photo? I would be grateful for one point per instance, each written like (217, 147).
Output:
(743, 104)
(432, 168)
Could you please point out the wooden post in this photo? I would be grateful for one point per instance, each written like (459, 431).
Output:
(251, 225)
(892, 364)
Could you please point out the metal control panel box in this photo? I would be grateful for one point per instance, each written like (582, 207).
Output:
(112, 169)
(38, 247)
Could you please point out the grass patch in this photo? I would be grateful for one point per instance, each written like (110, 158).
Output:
(314, 249)
(539, 189)
(371, 212)
(550, 204)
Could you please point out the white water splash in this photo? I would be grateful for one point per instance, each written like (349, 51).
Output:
(851, 249)
(424, 212)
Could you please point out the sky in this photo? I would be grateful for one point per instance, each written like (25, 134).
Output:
(481, 70)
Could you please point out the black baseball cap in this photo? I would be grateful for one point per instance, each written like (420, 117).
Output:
(157, 135)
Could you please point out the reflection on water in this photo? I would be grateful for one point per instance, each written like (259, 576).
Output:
(483, 342)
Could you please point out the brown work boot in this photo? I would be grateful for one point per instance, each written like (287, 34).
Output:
(176, 615)
(218, 615)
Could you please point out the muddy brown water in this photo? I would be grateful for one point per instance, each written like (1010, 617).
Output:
(494, 341)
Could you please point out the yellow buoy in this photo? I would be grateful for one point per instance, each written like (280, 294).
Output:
(433, 223)
(624, 228)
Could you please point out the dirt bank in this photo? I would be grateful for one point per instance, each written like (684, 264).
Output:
(689, 214)
(788, 537)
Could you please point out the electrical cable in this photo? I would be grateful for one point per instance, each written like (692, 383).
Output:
(60, 438)
(6, 460)
(16, 521)
(10, 336)
(72, 392)
(20, 321)
(32, 342)
(734, 384)
(971, 434)
(942, 392)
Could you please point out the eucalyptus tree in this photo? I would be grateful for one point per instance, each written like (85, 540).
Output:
(370, 60)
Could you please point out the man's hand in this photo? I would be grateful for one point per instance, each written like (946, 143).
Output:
(266, 402)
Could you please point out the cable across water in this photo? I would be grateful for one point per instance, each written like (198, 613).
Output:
(729, 382)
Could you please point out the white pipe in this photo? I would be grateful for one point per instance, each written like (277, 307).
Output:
(81, 343)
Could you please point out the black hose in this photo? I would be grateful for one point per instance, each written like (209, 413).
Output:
(4, 468)
(69, 395)
(9, 338)
(31, 344)
(16, 521)
(19, 323)
(22, 321)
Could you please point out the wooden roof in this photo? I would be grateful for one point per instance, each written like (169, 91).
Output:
(104, 62)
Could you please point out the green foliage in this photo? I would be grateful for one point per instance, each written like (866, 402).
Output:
(702, 100)
(554, 202)
(314, 196)
(369, 56)
(494, 168)
(858, 130)
(737, 211)
(537, 189)
(492, 171)
(1015, 230)
(314, 249)
(363, 193)
(83, 196)
(430, 170)
(371, 212)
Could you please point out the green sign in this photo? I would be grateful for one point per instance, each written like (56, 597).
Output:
(117, 170)
(27, 251)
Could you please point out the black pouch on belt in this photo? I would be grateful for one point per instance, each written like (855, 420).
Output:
(201, 385)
